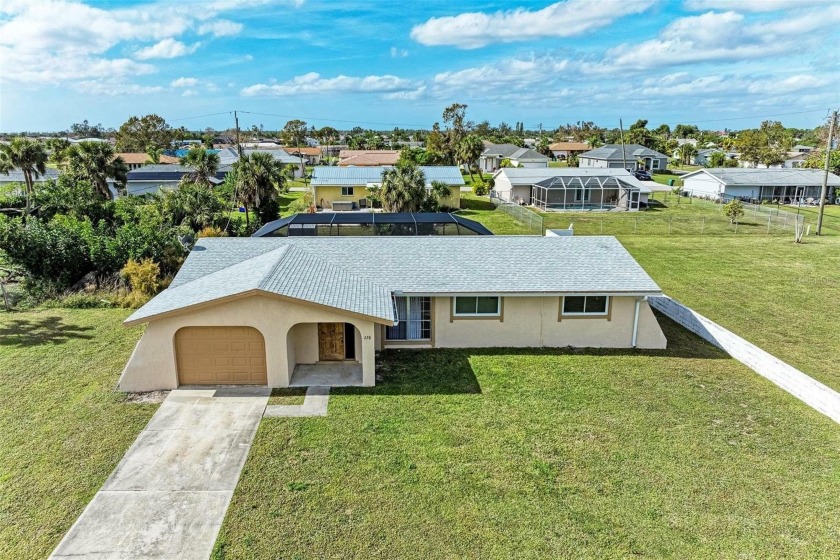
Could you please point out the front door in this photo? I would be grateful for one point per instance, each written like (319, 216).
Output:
(330, 341)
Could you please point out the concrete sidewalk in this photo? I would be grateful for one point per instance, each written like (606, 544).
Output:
(169, 494)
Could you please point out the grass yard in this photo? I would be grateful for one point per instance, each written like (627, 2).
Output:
(506, 453)
(773, 292)
(62, 427)
(480, 209)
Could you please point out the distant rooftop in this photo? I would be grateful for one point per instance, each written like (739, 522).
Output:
(324, 175)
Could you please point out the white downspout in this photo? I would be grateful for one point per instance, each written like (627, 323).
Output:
(636, 323)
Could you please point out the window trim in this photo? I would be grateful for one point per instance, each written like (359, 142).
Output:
(586, 195)
(413, 341)
(350, 189)
(498, 316)
(584, 315)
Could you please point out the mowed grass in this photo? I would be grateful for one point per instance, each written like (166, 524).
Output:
(62, 427)
(506, 453)
(777, 294)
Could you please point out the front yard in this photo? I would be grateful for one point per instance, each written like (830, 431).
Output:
(62, 427)
(506, 453)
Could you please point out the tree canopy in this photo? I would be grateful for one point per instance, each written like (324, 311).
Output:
(139, 134)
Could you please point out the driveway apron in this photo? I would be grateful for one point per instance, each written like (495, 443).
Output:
(168, 496)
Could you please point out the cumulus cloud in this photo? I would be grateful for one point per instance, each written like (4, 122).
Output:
(220, 28)
(472, 30)
(314, 83)
(752, 5)
(167, 48)
(112, 88)
(184, 82)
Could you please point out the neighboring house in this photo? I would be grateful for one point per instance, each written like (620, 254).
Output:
(701, 157)
(681, 141)
(492, 156)
(138, 159)
(229, 156)
(152, 178)
(787, 186)
(632, 156)
(346, 188)
(802, 149)
(311, 156)
(371, 223)
(277, 311)
(562, 150)
(367, 158)
(572, 188)
(795, 159)
(15, 177)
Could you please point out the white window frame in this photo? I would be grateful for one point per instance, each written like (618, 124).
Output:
(654, 163)
(587, 195)
(455, 313)
(348, 191)
(408, 320)
(585, 313)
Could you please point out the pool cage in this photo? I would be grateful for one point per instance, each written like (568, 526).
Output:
(591, 193)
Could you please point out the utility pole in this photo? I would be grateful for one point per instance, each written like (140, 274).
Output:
(238, 145)
(824, 191)
(623, 152)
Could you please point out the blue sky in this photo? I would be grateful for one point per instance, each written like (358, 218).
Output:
(717, 63)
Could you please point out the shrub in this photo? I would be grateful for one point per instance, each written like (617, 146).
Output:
(480, 189)
(733, 210)
(143, 276)
(82, 300)
(211, 231)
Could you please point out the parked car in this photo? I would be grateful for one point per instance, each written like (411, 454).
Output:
(642, 175)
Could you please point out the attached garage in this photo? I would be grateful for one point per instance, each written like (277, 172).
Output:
(220, 356)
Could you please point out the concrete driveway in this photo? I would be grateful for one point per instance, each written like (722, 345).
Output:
(168, 496)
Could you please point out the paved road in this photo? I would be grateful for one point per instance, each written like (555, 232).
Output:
(168, 496)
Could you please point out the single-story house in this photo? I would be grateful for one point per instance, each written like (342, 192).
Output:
(572, 188)
(795, 159)
(15, 176)
(636, 156)
(492, 156)
(278, 311)
(368, 158)
(311, 156)
(133, 160)
(346, 188)
(562, 150)
(229, 156)
(787, 186)
(802, 149)
(152, 178)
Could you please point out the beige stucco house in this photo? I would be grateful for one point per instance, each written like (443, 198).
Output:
(266, 311)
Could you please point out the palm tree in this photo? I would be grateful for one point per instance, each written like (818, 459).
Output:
(95, 162)
(260, 179)
(154, 154)
(30, 157)
(469, 150)
(403, 189)
(686, 151)
(594, 142)
(204, 166)
(193, 206)
(59, 151)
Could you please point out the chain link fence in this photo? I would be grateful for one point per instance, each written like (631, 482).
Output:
(529, 218)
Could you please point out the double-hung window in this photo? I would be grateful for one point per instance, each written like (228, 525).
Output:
(346, 191)
(414, 319)
(479, 306)
(586, 305)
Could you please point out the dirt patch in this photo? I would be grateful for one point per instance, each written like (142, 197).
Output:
(147, 397)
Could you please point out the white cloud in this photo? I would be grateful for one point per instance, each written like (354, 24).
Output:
(189, 93)
(408, 95)
(167, 48)
(184, 82)
(220, 28)
(752, 5)
(314, 83)
(113, 88)
(569, 18)
(398, 53)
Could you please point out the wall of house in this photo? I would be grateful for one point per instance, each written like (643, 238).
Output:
(702, 185)
(152, 365)
(326, 195)
(137, 188)
(533, 322)
(530, 163)
(588, 162)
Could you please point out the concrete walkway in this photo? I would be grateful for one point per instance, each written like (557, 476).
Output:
(314, 404)
(168, 496)
(810, 391)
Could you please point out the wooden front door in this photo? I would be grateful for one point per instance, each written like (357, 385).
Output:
(330, 341)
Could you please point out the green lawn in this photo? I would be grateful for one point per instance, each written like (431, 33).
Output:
(63, 429)
(506, 453)
(480, 209)
(777, 294)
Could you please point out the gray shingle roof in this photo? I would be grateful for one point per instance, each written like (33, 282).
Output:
(358, 274)
(231, 155)
(743, 176)
(612, 152)
(512, 151)
(327, 175)
(533, 175)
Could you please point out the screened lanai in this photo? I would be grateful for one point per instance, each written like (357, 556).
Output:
(585, 193)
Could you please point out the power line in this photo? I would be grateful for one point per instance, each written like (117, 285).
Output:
(415, 125)
(201, 116)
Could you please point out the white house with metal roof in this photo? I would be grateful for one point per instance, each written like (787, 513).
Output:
(787, 186)
(572, 188)
(15, 177)
(274, 310)
(631, 156)
(150, 179)
(346, 188)
(492, 156)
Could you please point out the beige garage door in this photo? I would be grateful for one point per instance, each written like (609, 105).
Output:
(220, 356)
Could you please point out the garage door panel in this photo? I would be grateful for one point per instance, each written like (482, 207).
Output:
(220, 355)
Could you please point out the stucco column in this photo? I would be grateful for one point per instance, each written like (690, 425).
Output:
(368, 353)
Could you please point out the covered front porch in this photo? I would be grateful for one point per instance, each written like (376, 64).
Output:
(329, 355)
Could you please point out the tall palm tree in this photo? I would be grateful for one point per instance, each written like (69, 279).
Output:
(260, 179)
(594, 141)
(154, 154)
(469, 150)
(204, 166)
(30, 157)
(403, 189)
(95, 162)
